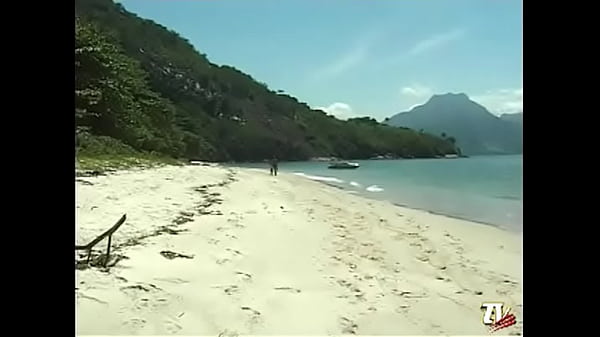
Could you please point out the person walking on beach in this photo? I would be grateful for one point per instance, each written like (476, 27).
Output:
(274, 166)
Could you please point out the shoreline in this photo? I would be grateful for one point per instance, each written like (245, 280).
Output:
(366, 196)
(86, 173)
(505, 212)
(344, 188)
(457, 217)
(360, 265)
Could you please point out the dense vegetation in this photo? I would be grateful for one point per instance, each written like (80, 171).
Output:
(142, 87)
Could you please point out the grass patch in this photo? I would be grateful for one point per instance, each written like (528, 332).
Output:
(101, 153)
(111, 162)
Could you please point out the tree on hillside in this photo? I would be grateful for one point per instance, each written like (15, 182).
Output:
(112, 98)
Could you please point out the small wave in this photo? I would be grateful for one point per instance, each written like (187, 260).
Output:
(319, 178)
(374, 188)
(355, 184)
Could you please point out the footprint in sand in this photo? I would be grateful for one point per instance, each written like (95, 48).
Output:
(407, 294)
(451, 238)
(234, 251)
(505, 288)
(356, 276)
(172, 255)
(80, 295)
(348, 326)
(372, 258)
(229, 290)
(344, 283)
(227, 333)
(360, 296)
(255, 317)
(173, 280)
(135, 323)
(289, 289)
(403, 309)
(244, 276)
(232, 289)
(171, 326)
(235, 221)
(143, 304)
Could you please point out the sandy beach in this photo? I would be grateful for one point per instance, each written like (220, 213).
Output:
(208, 250)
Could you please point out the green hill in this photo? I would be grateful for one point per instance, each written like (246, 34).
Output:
(143, 88)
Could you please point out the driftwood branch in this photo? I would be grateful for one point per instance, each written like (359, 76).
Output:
(108, 233)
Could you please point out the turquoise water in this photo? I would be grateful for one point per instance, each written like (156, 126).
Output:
(483, 188)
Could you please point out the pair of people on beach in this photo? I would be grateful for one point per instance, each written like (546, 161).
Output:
(274, 165)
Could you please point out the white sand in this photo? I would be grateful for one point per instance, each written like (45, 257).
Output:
(284, 256)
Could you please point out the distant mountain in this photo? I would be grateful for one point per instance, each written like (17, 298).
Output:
(515, 118)
(474, 128)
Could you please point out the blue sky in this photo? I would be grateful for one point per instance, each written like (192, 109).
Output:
(360, 57)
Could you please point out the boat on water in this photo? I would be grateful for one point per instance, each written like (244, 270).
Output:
(344, 165)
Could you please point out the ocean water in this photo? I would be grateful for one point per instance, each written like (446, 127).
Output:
(487, 189)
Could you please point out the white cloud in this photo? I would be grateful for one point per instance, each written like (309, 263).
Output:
(501, 101)
(417, 91)
(436, 41)
(360, 53)
(421, 47)
(345, 62)
(352, 57)
(339, 110)
(414, 95)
